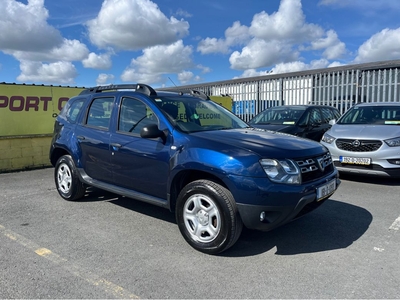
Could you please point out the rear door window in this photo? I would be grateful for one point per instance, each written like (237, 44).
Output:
(327, 114)
(73, 111)
(315, 117)
(100, 112)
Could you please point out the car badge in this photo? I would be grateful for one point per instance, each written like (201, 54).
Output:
(356, 143)
(322, 163)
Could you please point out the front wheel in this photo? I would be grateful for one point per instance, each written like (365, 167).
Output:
(67, 180)
(207, 216)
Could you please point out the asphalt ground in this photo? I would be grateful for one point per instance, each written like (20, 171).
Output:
(110, 247)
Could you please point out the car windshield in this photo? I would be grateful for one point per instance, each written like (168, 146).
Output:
(278, 116)
(193, 114)
(377, 115)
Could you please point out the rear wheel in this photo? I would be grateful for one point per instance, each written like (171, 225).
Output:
(67, 180)
(207, 216)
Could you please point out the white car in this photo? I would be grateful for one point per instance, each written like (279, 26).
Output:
(366, 140)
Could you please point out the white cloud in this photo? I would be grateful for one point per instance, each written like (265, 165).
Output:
(252, 73)
(132, 76)
(203, 69)
(288, 23)
(297, 66)
(335, 51)
(99, 62)
(334, 48)
(105, 79)
(237, 34)
(335, 64)
(259, 53)
(69, 50)
(133, 25)
(384, 45)
(294, 66)
(185, 76)
(59, 72)
(183, 13)
(24, 27)
(26, 35)
(159, 60)
(213, 45)
(276, 38)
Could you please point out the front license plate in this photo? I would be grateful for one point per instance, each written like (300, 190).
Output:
(326, 190)
(355, 160)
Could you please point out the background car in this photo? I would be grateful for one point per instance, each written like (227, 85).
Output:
(366, 140)
(308, 121)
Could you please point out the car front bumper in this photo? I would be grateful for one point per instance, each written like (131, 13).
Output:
(370, 170)
(385, 162)
(270, 206)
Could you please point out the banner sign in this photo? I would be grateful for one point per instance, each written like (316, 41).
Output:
(29, 109)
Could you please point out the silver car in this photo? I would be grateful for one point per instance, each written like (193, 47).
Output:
(366, 140)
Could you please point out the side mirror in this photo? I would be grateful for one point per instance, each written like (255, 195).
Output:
(332, 122)
(151, 131)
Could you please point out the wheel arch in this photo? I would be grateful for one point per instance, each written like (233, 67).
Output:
(185, 177)
(56, 154)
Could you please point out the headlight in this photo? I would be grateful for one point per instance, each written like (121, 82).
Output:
(281, 171)
(393, 142)
(327, 138)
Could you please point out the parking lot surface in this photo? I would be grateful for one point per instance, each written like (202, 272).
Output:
(108, 246)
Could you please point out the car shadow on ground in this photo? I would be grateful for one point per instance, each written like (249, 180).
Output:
(94, 195)
(334, 225)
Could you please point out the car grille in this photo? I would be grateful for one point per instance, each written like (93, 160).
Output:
(358, 145)
(315, 167)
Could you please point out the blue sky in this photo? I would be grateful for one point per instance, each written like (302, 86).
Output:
(96, 42)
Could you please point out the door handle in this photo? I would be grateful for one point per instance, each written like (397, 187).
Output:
(115, 145)
(80, 137)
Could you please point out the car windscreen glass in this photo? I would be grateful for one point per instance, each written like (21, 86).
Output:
(278, 116)
(377, 115)
(192, 114)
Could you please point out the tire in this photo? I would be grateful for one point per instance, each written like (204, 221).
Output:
(207, 216)
(67, 180)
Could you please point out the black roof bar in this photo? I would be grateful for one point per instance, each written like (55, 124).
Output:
(192, 92)
(139, 87)
(199, 94)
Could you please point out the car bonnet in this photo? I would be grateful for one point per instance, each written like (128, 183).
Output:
(365, 131)
(264, 143)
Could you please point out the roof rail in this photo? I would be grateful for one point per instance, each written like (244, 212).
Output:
(139, 87)
(194, 93)
(199, 94)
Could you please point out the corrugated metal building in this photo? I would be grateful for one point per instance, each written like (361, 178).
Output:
(340, 87)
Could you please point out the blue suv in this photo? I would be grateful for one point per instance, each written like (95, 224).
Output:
(186, 153)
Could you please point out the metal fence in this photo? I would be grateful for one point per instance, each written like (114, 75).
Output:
(340, 87)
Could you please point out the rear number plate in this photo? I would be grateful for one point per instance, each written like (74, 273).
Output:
(326, 190)
(355, 160)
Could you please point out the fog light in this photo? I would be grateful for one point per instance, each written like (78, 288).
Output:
(394, 161)
(262, 216)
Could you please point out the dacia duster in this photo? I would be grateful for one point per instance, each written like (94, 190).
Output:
(186, 153)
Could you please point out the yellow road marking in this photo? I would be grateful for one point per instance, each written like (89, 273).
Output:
(395, 225)
(42, 251)
(93, 279)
